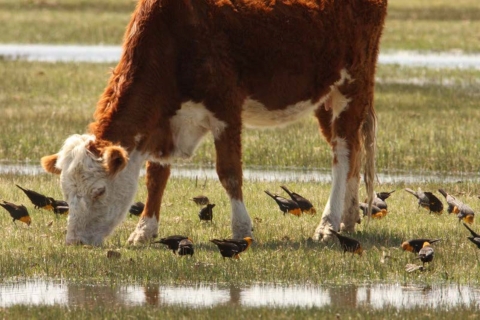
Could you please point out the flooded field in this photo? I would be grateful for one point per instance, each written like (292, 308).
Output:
(285, 175)
(204, 296)
(80, 53)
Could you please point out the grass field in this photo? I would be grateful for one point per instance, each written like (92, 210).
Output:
(428, 123)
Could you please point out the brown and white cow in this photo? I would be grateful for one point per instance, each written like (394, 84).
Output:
(189, 67)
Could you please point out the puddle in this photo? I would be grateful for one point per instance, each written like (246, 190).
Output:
(285, 175)
(204, 296)
(97, 54)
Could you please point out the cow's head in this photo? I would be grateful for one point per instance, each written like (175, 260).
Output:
(98, 182)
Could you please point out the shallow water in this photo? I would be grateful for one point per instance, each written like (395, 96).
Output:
(80, 53)
(284, 175)
(262, 295)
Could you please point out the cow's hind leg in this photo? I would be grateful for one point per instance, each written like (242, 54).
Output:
(341, 120)
(229, 170)
(147, 227)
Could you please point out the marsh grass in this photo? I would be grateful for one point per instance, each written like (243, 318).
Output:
(427, 119)
(439, 25)
(282, 253)
(229, 312)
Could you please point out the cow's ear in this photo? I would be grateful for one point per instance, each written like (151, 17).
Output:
(115, 159)
(49, 164)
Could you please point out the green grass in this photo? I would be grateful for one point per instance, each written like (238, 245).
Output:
(426, 125)
(439, 25)
(229, 312)
(283, 251)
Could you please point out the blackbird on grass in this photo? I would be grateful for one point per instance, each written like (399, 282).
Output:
(463, 211)
(415, 245)
(231, 248)
(206, 213)
(185, 247)
(286, 205)
(304, 204)
(426, 254)
(348, 244)
(17, 212)
(136, 209)
(173, 242)
(38, 200)
(427, 200)
(475, 238)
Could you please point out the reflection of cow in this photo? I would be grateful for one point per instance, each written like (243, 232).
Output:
(189, 67)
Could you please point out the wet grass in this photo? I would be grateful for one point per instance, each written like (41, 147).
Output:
(224, 312)
(283, 251)
(439, 25)
(427, 119)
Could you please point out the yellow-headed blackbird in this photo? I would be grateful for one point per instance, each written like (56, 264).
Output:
(201, 200)
(426, 253)
(415, 245)
(304, 204)
(348, 244)
(377, 213)
(384, 195)
(172, 242)
(185, 247)
(17, 212)
(286, 205)
(136, 209)
(463, 211)
(427, 200)
(230, 248)
(206, 213)
(38, 200)
(60, 207)
(475, 238)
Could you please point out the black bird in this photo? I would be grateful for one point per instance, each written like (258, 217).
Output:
(201, 200)
(415, 245)
(185, 247)
(475, 238)
(304, 204)
(60, 207)
(348, 244)
(286, 205)
(38, 200)
(426, 254)
(384, 195)
(427, 200)
(136, 209)
(231, 248)
(173, 242)
(376, 211)
(227, 249)
(206, 213)
(463, 211)
(17, 212)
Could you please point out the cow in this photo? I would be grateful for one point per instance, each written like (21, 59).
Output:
(189, 67)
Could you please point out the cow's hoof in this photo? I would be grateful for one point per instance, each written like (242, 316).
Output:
(147, 229)
(323, 235)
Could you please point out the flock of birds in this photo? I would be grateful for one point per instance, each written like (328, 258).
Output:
(296, 205)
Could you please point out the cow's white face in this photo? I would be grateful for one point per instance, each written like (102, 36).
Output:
(98, 181)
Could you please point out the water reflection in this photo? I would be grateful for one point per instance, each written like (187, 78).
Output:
(208, 295)
(287, 175)
(111, 54)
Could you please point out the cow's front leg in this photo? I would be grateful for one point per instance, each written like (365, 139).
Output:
(332, 214)
(229, 170)
(147, 227)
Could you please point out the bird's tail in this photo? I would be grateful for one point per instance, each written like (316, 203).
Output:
(23, 189)
(443, 192)
(471, 231)
(412, 192)
(433, 241)
(286, 190)
(270, 194)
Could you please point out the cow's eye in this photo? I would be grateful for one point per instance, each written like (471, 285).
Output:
(98, 192)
